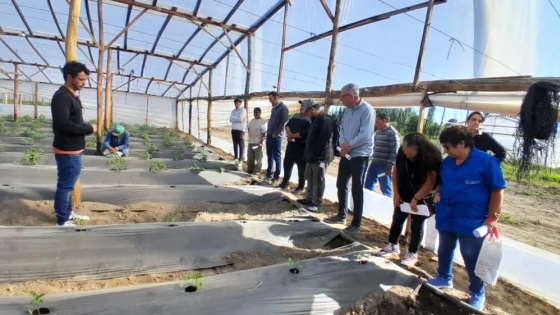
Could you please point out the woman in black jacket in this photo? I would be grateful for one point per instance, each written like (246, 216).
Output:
(482, 140)
(415, 175)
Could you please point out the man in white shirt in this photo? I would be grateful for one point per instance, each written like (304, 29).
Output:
(238, 119)
(257, 134)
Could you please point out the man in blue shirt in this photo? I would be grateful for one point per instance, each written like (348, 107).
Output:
(116, 142)
(356, 141)
(274, 132)
(470, 195)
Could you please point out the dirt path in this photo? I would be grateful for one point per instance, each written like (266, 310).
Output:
(529, 214)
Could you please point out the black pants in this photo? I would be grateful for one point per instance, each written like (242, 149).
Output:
(289, 162)
(416, 229)
(356, 169)
(238, 138)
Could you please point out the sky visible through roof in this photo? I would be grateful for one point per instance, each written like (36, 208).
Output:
(377, 54)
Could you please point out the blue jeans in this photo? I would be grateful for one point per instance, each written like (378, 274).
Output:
(69, 167)
(355, 169)
(384, 181)
(125, 152)
(274, 155)
(470, 248)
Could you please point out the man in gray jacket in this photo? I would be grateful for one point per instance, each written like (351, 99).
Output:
(386, 145)
(274, 133)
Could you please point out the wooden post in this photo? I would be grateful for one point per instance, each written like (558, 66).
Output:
(71, 46)
(248, 77)
(226, 76)
(112, 108)
(108, 89)
(423, 42)
(183, 116)
(420, 128)
(36, 101)
(190, 117)
(281, 67)
(209, 113)
(177, 114)
(147, 107)
(100, 76)
(332, 56)
(16, 92)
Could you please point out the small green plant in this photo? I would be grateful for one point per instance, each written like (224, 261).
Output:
(167, 141)
(145, 156)
(17, 124)
(42, 119)
(241, 216)
(28, 132)
(158, 166)
(38, 135)
(178, 155)
(196, 276)
(292, 262)
(1, 149)
(31, 157)
(221, 169)
(80, 222)
(152, 149)
(35, 125)
(28, 141)
(91, 144)
(196, 169)
(10, 117)
(507, 219)
(117, 163)
(145, 138)
(37, 300)
(26, 118)
(14, 132)
(189, 143)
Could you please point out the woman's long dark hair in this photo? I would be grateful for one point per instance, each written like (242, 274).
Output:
(428, 157)
(536, 132)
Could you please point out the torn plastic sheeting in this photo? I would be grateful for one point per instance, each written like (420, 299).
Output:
(102, 252)
(180, 195)
(132, 162)
(323, 286)
(44, 175)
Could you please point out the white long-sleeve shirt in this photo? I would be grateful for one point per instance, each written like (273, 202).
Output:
(238, 119)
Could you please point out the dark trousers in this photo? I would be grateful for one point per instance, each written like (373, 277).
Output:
(416, 229)
(294, 155)
(274, 155)
(356, 169)
(68, 167)
(238, 138)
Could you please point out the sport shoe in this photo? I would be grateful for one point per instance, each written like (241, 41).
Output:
(335, 220)
(67, 223)
(274, 181)
(283, 186)
(297, 191)
(313, 207)
(351, 230)
(74, 217)
(409, 259)
(236, 161)
(477, 301)
(389, 249)
(267, 179)
(440, 282)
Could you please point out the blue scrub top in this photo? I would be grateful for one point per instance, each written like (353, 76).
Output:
(465, 192)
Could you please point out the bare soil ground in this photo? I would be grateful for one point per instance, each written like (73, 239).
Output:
(504, 298)
(529, 214)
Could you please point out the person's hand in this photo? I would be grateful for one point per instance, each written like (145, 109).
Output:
(344, 150)
(396, 200)
(94, 126)
(437, 197)
(387, 172)
(493, 228)
(414, 205)
(260, 145)
(274, 135)
(345, 146)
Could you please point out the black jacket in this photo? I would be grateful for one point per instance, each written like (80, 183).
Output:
(485, 142)
(68, 123)
(319, 141)
(299, 125)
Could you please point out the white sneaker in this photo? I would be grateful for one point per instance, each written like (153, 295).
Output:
(67, 223)
(409, 259)
(390, 249)
(74, 217)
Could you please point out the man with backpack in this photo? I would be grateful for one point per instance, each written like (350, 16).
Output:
(318, 153)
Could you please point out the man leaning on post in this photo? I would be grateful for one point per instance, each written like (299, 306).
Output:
(69, 139)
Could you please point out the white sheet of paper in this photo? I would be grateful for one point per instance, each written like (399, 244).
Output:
(381, 175)
(422, 209)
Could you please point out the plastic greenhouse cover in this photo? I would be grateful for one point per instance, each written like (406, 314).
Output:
(323, 286)
(180, 195)
(99, 252)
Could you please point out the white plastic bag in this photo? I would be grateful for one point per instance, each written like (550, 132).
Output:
(489, 260)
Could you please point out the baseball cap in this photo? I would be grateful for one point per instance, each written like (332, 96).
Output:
(307, 104)
(118, 130)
